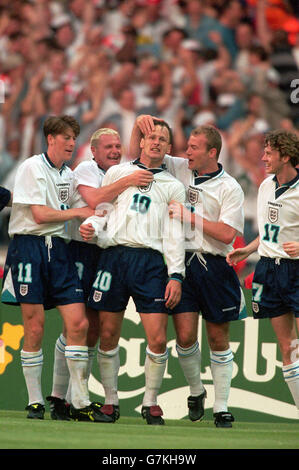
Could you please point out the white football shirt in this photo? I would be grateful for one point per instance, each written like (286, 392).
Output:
(139, 216)
(278, 216)
(39, 182)
(87, 173)
(217, 197)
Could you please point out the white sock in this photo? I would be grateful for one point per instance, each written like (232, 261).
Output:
(190, 361)
(77, 361)
(109, 364)
(222, 369)
(91, 354)
(61, 374)
(32, 364)
(154, 368)
(291, 376)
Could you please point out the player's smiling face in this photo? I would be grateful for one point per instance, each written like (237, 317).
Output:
(154, 146)
(272, 160)
(61, 147)
(107, 152)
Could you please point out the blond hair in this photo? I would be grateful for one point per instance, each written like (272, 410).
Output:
(103, 131)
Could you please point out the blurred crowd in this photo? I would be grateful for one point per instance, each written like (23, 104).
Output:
(231, 63)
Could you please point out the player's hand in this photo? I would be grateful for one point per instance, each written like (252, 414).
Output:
(235, 256)
(291, 249)
(178, 211)
(173, 293)
(141, 178)
(87, 231)
(145, 122)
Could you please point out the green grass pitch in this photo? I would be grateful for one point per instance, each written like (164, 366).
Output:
(17, 432)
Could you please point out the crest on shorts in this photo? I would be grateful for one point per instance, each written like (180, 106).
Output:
(63, 194)
(255, 307)
(273, 214)
(97, 295)
(24, 289)
(193, 195)
(145, 189)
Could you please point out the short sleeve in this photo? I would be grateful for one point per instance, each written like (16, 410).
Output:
(30, 184)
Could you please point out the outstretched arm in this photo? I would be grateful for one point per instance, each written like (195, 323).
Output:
(235, 256)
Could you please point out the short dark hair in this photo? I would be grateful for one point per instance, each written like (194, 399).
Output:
(55, 125)
(158, 122)
(286, 142)
(214, 140)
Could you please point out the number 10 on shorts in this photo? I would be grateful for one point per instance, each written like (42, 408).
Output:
(103, 281)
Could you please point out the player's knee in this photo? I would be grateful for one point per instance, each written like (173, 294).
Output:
(218, 341)
(33, 327)
(185, 339)
(78, 327)
(34, 335)
(157, 344)
(108, 338)
(286, 349)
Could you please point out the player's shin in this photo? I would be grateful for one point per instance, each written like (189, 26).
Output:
(32, 364)
(77, 361)
(190, 361)
(222, 369)
(61, 372)
(109, 364)
(291, 377)
(155, 365)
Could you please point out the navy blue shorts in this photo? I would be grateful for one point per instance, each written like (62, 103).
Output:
(86, 257)
(275, 288)
(123, 272)
(39, 274)
(212, 288)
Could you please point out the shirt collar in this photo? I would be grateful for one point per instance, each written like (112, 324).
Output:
(99, 167)
(152, 170)
(63, 166)
(279, 190)
(198, 179)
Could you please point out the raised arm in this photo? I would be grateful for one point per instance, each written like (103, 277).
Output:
(144, 125)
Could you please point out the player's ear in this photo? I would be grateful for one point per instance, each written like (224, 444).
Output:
(168, 149)
(285, 158)
(50, 139)
(142, 143)
(213, 152)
